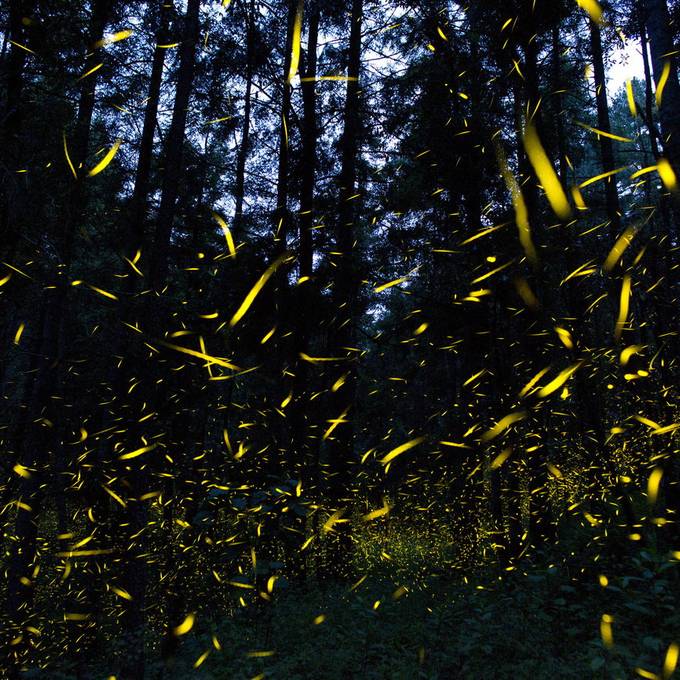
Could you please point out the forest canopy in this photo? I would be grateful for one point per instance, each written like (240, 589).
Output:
(339, 339)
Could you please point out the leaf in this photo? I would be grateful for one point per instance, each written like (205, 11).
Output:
(635, 607)
(596, 663)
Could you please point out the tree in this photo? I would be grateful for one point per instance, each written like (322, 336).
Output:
(661, 43)
(140, 195)
(606, 148)
(346, 284)
(34, 452)
(239, 191)
(173, 149)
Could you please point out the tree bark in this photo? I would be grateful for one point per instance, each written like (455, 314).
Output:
(309, 144)
(663, 51)
(302, 459)
(532, 112)
(472, 158)
(239, 192)
(285, 337)
(557, 93)
(173, 153)
(306, 224)
(649, 95)
(661, 42)
(281, 216)
(140, 194)
(80, 142)
(341, 445)
(606, 148)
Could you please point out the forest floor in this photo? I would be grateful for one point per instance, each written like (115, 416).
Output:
(533, 630)
(418, 607)
(533, 622)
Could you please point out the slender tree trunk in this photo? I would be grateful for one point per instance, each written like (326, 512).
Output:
(309, 145)
(557, 94)
(341, 445)
(527, 104)
(606, 148)
(472, 157)
(649, 94)
(239, 193)
(281, 215)
(306, 222)
(133, 565)
(349, 148)
(660, 263)
(79, 143)
(140, 194)
(173, 152)
(532, 113)
(173, 171)
(300, 453)
(661, 42)
(285, 339)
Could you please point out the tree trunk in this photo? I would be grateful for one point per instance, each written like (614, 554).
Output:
(531, 110)
(652, 129)
(80, 139)
(309, 144)
(173, 152)
(239, 193)
(499, 537)
(306, 224)
(557, 87)
(140, 194)
(472, 158)
(341, 445)
(606, 148)
(649, 95)
(281, 216)
(661, 42)
(301, 456)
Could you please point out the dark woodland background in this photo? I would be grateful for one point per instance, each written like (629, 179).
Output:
(339, 339)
